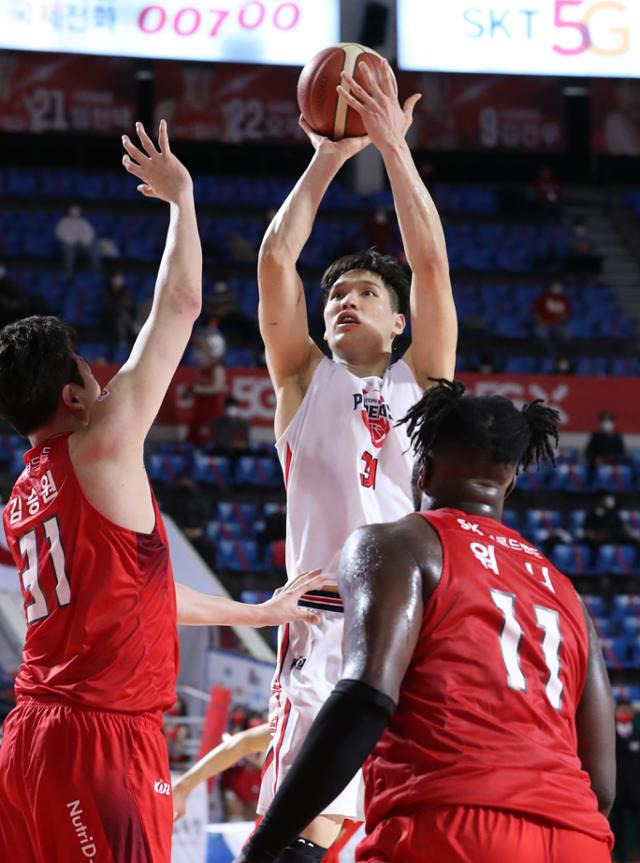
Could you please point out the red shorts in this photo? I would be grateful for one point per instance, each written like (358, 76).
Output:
(83, 785)
(471, 834)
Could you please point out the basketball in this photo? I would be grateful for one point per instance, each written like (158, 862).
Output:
(324, 110)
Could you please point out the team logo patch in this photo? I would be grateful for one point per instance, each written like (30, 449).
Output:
(162, 787)
(298, 663)
(375, 413)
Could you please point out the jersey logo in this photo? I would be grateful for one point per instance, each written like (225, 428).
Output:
(298, 663)
(375, 413)
(161, 787)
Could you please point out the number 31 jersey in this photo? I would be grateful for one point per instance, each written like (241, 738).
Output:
(345, 461)
(486, 713)
(99, 599)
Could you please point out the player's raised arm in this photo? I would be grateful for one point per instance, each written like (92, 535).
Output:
(282, 312)
(382, 588)
(138, 389)
(433, 316)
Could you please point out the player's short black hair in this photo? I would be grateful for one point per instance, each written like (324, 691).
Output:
(385, 266)
(492, 425)
(37, 359)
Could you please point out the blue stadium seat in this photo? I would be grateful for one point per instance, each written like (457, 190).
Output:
(630, 626)
(533, 479)
(163, 467)
(615, 560)
(257, 471)
(572, 559)
(214, 470)
(239, 556)
(623, 605)
(570, 477)
(631, 517)
(535, 519)
(243, 514)
(218, 530)
(604, 626)
(614, 478)
(623, 692)
(618, 651)
(576, 521)
(596, 604)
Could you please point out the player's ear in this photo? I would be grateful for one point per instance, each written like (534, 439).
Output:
(71, 397)
(510, 487)
(399, 324)
(425, 473)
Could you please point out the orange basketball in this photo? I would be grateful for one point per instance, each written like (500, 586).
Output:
(324, 110)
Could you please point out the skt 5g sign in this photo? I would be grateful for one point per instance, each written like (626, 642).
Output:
(590, 38)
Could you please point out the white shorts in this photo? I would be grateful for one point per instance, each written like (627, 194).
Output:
(309, 666)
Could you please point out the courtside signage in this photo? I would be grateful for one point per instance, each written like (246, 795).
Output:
(590, 38)
(242, 31)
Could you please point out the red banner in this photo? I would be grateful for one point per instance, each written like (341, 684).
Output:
(230, 102)
(485, 112)
(615, 117)
(578, 399)
(238, 103)
(65, 93)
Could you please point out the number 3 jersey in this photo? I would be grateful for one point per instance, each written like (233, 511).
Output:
(486, 713)
(345, 461)
(99, 599)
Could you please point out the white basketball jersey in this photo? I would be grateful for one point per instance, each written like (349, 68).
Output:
(345, 461)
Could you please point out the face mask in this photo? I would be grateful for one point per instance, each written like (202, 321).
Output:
(624, 727)
(609, 502)
(607, 426)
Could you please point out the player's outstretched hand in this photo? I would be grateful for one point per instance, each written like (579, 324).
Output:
(179, 794)
(344, 149)
(163, 175)
(283, 605)
(385, 120)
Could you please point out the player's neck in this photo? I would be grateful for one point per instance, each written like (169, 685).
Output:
(473, 497)
(365, 368)
(59, 426)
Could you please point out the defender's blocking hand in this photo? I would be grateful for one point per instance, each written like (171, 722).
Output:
(163, 175)
(283, 605)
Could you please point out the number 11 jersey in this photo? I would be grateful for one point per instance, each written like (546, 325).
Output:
(99, 599)
(486, 713)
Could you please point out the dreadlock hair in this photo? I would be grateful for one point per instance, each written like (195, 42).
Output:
(490, 424)
(37, 359)
(385, 266)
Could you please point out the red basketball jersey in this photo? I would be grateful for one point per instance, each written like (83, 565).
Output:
(99, 599)
(486, 713)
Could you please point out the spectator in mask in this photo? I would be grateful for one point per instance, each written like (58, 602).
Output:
(603, 524)
(626, 808)
(76, 234)
(606, 445)
(551, 313)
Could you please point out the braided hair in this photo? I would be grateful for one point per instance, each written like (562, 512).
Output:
(491, 424)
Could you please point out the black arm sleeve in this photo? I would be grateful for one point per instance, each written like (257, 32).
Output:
(342, 735)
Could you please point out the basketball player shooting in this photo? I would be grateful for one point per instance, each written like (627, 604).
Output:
(344, 460)
(84, 772)
(472, 671)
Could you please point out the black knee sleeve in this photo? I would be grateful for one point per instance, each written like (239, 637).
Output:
(301, 851)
